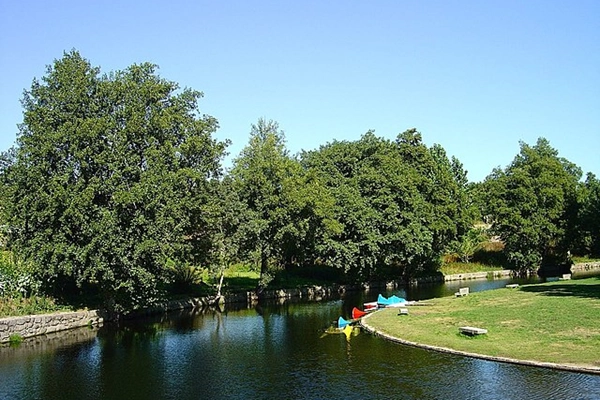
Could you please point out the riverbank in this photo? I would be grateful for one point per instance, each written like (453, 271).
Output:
(28, 326)
(495, 274)
(552, 325)
(34, 325)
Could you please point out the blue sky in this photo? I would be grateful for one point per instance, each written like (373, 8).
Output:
(475, 77)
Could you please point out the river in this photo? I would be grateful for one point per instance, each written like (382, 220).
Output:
(278, 350)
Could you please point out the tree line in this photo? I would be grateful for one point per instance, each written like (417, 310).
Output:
(116, 185)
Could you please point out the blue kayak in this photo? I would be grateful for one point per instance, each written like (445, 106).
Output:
(390, 301)
(342, 323)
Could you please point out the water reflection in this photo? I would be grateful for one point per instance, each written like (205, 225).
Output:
(271, 351)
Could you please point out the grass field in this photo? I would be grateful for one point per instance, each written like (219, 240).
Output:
(556, 322)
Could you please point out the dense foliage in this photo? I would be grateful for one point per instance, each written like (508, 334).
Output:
(110, 176)
(587, 230)
(533, 203)
(288, 208)
(115, 189)
(398, 203)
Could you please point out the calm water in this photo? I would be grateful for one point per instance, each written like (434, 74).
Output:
(274, 351)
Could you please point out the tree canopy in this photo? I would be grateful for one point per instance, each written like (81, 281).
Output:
(399, 204)
(532, 203)
(110, 176)
(587, 230)
(287, 205)
(115, 185)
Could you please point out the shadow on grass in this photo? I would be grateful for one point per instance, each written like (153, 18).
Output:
(572, 288)
(240, 283)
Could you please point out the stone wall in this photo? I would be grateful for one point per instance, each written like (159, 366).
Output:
(49, 342)
(310, 292)
(581, 267)
(34, 325)
(505, 273)
(479, 275)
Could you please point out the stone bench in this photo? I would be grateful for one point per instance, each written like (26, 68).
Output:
(472, 331)
(463, 291)
(512, 286)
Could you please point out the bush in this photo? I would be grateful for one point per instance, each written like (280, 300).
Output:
(463, 268)
(187, 279)
(16, 277)
(307, 275)
(492, 254)
(16, 306)
(585, 259)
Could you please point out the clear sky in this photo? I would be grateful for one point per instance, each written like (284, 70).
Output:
(476, 77)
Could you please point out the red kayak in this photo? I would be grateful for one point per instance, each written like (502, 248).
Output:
(356, 313)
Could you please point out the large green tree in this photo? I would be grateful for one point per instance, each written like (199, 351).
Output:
(259, 172)
(353, 246)
(287, 205)
(443, 184)
(228, 229)
(110, 178)
(588, 224)
(6, 159)
(398, 204)
(531, 202)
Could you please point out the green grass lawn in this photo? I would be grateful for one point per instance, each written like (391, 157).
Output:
(557, 322)
(579, 260)
(241, 280)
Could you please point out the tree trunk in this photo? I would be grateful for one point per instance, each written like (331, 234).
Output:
(264, 269)
(220, 282)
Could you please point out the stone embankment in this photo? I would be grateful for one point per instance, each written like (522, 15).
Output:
(584, 267)
(478, 275)
(34, 325)
(439, 278)
(575, 268)
(42, 344)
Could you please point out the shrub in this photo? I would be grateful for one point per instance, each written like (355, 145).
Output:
(15, 306)
(491, 253)
(15, 339)
(187, 278)
(16, 277)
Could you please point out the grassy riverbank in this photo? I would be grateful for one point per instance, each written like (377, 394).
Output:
(556, 322)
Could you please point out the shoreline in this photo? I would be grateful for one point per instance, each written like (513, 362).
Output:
(30, 326)
(532, 363)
